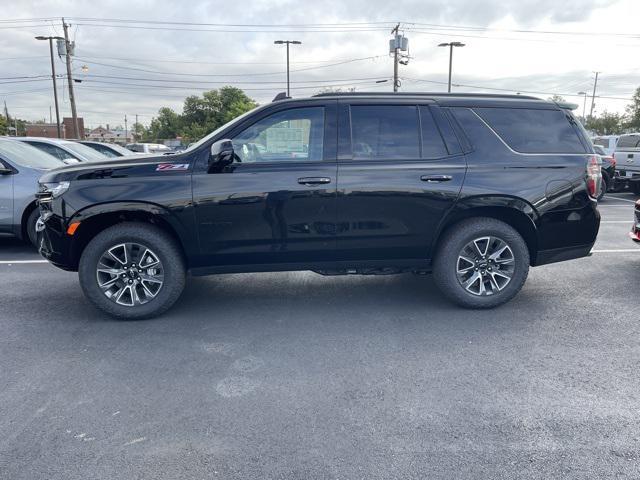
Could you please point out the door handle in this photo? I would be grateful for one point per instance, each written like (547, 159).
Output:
(436, 178)
(314, 180)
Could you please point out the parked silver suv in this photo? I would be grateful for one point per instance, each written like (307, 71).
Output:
(20, 167)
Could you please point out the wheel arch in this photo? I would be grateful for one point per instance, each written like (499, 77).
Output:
(95, 219)
(515, 212)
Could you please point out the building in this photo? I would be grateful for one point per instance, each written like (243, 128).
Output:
(68, 124)
(47, 130)
(110, 135)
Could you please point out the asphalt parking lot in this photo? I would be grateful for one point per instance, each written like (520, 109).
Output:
(299, 376)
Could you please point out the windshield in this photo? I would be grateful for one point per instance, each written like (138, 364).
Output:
(25, 155)
(85, 152)
(218, 130)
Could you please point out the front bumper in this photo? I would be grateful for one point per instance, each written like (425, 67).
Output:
(53, 242)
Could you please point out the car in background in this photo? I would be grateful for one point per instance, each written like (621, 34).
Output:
(607, 142)
(608, 167)
(156, 148)
(21, 165)
(64, 150)
(110, 150)
(627, 155)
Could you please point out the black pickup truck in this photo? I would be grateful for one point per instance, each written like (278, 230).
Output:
(473, 188)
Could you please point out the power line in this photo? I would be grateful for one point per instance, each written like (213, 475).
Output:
(228, 74)
(89, 77)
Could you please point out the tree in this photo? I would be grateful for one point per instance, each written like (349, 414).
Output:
(200, 115)
(557, 98)
(633, 112)
(606, 124)
(3, 126)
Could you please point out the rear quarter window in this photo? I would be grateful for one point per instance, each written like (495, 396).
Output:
(534, 130)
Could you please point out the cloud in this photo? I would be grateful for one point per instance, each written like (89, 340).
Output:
(499, 58)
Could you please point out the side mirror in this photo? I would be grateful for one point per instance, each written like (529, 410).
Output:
(4, 170)
(222, 154)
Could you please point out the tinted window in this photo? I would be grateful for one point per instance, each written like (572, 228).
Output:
(57, 152)
(295, 134)
(384, 132)
(604, 142)
(533, 131)
(85, 152)
(628, 141)
(432, 143)
(103, 150)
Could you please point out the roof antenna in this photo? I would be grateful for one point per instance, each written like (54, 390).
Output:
(280, 96)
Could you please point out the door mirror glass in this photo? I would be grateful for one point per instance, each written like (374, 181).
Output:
(222, 154)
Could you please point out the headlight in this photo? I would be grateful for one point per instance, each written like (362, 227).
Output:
(56, 189)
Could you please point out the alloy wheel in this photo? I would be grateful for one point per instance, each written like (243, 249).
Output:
(485, 266)
(130, 274)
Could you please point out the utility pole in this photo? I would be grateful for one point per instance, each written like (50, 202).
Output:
(593, 96)
(125, 127)
(396, 57)
(135, 129)
(72, 98)
(287, 43)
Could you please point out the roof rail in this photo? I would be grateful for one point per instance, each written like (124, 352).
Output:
(423, 94)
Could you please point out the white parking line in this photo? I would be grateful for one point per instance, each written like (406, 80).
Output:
(622, 250)
(624, 199)
(11, 262)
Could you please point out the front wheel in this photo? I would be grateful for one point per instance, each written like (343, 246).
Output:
(132, 271)
(481, 263)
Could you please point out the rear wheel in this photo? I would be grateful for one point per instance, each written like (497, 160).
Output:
(132, 271)
(481, 263)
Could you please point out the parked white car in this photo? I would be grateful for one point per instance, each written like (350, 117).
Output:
(149, 148)
(66, 150)
(627, 156)
(607, 142)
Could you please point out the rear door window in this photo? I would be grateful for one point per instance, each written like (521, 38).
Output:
(385, 132)
(534, 130)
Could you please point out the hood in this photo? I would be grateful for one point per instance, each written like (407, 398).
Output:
(122, 167)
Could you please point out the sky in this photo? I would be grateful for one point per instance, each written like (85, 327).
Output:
(136, 57)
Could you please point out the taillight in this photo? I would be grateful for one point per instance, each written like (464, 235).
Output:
(594, 176)
(613, 160)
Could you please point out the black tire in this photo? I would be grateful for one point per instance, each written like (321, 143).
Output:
(635, 187)
(451, 246)
(30, 227)
(146, 235)
(604, 187)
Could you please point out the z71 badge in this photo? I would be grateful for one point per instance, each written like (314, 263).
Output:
(171, 167)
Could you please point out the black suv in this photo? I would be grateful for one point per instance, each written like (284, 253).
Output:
(474, 188)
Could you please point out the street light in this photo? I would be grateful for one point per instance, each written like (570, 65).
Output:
(287, 42)
(53, 77)
(451, 45)
(584, 105)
